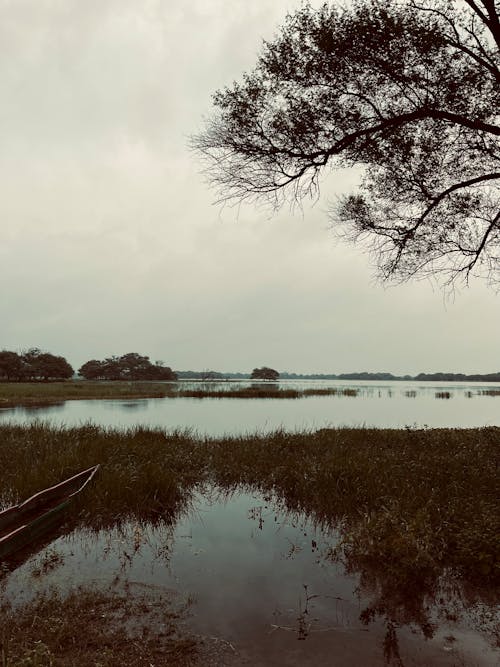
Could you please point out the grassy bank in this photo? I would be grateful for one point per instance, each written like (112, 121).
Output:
(39, 393)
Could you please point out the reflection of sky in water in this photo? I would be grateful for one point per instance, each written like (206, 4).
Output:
(250, 569)
(383, 405)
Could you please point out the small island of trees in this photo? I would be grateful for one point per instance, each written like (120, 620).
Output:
(130, 366)
(264, 373)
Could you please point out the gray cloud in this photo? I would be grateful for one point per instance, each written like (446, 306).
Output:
(111, 242)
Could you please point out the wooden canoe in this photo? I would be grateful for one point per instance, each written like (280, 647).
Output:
(27, 522)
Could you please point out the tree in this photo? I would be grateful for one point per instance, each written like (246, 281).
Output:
(406, 90)
(264, 373)
(38, 365)
(91, 370)
(11, 365)
(130, 366)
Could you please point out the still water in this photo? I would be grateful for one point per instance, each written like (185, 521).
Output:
(382, 405)
(263, 581)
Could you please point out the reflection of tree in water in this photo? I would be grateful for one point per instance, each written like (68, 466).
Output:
(397, 594)
(407, 592)
(131, 406)
(34, 408)
(422, 602)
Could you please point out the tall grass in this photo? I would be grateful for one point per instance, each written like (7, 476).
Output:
(416, 501)
(144, 474)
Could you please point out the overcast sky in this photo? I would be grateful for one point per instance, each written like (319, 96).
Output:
(111, 242)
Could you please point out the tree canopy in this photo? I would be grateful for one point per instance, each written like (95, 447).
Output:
(264, 373)
(130, 366)
(33, 365)
(406, 90)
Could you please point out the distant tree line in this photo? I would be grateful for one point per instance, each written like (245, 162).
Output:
(373, 377)
(459, 377)
(130, 366)
(35, 365)
(380, 377)
(32, 366)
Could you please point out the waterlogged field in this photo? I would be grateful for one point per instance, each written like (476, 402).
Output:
(239, 408)
(346, 546)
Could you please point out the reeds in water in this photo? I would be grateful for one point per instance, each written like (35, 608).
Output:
(427, 498)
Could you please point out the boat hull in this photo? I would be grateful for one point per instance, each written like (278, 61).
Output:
(26, 523)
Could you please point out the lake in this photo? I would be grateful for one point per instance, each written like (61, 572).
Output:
(382, 405)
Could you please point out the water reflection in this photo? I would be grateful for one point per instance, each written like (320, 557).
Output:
(32, 409)
(131, 405)
(263, 578)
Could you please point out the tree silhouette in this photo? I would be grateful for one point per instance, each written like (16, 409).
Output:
(408, 92)
(264, 373)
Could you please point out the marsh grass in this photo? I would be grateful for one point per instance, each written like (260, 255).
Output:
(114, 629)
(443, 394)
(39, 393)
(413, 501)
(266, 392)
(242, 392)
(145, 475)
